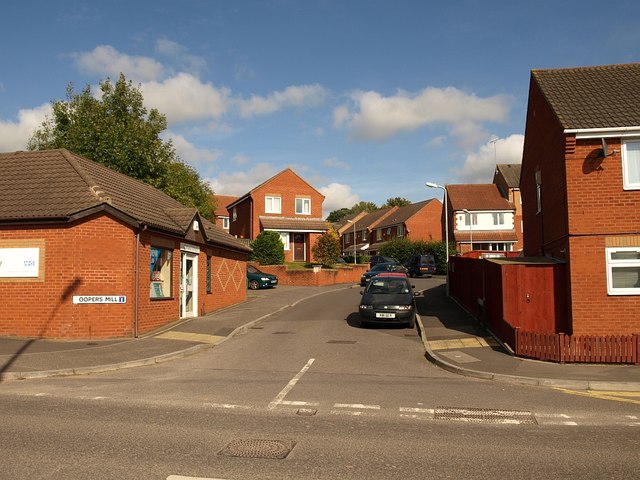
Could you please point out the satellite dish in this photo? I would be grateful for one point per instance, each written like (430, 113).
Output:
(605, 148)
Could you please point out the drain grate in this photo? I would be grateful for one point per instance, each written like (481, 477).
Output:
(257, 448)
(485, 415)
(342, 342)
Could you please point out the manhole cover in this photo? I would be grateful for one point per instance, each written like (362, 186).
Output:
(342, 342)
(256, 448)
(485, 415)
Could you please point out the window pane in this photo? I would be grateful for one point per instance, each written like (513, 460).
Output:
(632, 162)
(625, 255)
(160, 273)
(626, 277)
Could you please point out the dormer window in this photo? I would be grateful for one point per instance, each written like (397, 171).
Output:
(303, 206)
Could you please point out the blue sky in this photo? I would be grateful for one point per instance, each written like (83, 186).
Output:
(365, 99)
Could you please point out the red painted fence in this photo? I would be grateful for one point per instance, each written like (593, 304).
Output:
(578, 348)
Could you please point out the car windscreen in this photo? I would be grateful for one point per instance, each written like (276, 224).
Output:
(392, 286)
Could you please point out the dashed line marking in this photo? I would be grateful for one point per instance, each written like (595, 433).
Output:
(356, 406)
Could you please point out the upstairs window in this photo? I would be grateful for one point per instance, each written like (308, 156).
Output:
(378, 235)
(303, 206)
(272, 204)
(623, 271)
(631, 165)
(498, 218)
(470, 216)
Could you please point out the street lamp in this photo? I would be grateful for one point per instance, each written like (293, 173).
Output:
(354, 241)
(470, 229)
(446, 225)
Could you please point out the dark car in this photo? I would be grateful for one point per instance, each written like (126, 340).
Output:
(419, 265)
(380, 268)
(376, 259)
(388, 298)
(257, 279)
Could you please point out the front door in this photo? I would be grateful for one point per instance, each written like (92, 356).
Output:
(299, 247)
(188, 285)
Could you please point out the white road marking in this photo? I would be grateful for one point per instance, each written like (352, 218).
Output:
(228, 406)
(416, 410)
(292, 383)
(300, 404)
(356, 405)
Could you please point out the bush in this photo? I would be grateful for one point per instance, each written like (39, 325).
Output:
(401, 249)
(327, 248)
(268, 249)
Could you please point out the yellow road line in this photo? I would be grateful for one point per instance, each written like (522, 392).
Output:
(625, 397)
(472, 342)
(191, 337)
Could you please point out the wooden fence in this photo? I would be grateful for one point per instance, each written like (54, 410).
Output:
(578, 348)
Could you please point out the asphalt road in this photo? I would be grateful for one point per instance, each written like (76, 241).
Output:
(339, 401)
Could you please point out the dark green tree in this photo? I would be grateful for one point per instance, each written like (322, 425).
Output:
(268, 248)
(326, 250)
(118, 131)
(364, 207)
(396, 202)
(337, 215)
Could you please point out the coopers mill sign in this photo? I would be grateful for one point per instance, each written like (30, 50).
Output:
(80, 299)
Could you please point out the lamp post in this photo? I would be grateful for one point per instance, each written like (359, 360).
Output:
(446, 225)
(470, 229)
(355, 254)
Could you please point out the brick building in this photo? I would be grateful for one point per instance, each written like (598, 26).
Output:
(86, 252)
(580, 185)
(507, 178)
(286, 204)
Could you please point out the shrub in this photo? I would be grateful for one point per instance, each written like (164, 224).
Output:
(327, 248)
(268, 249)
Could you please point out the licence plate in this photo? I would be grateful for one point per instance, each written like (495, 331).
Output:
(385, 315)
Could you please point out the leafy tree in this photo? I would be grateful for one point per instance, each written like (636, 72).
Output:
(326, 250)
(401, 249)
(337, 215)
(396, 202)
(118, 131)
(364, 207)
(268, 248)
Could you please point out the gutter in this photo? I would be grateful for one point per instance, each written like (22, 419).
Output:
(136, 282)
(604, 132)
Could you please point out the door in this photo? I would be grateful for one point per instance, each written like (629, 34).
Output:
(188, 285)
(299, 247)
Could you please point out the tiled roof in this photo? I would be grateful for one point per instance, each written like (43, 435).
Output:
(511, 173)
(593, 97)
(402, 214)
(371, 219)
(293, 224)
(221, 204)
(478, 197)
(57, 186)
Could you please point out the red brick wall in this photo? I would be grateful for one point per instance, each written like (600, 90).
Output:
(309, 278)
(97, 257)
(92, 257)
(598, 209)
(427, 223)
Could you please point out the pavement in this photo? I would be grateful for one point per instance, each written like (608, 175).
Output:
(452, 339)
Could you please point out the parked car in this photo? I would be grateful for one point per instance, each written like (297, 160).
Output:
(376, 259)
(380, 268)
(257, 279)
(419, 265)
(388, 298)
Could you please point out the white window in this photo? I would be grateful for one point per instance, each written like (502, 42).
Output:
(272, 205)
(474, 219)
(235, 214)
(225, 223)
(631, 165)
(400, 231)
(623, 271)
(284, 236)
(378, 234)
(303, 206)
(498, 218)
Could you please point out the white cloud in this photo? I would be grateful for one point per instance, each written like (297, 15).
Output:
(179, 55)
(479, 166)
(106, 60)
(189, 153)
(239, 183)
(379, 118)
(240, 159)
(333, 162)
(185, 98)
(337, 196)
(296, 96)
(15, 135)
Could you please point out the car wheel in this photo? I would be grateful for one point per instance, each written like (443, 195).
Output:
(254, 285)
(363, 323)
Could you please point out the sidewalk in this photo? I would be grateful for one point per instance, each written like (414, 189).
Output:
(452, 339)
